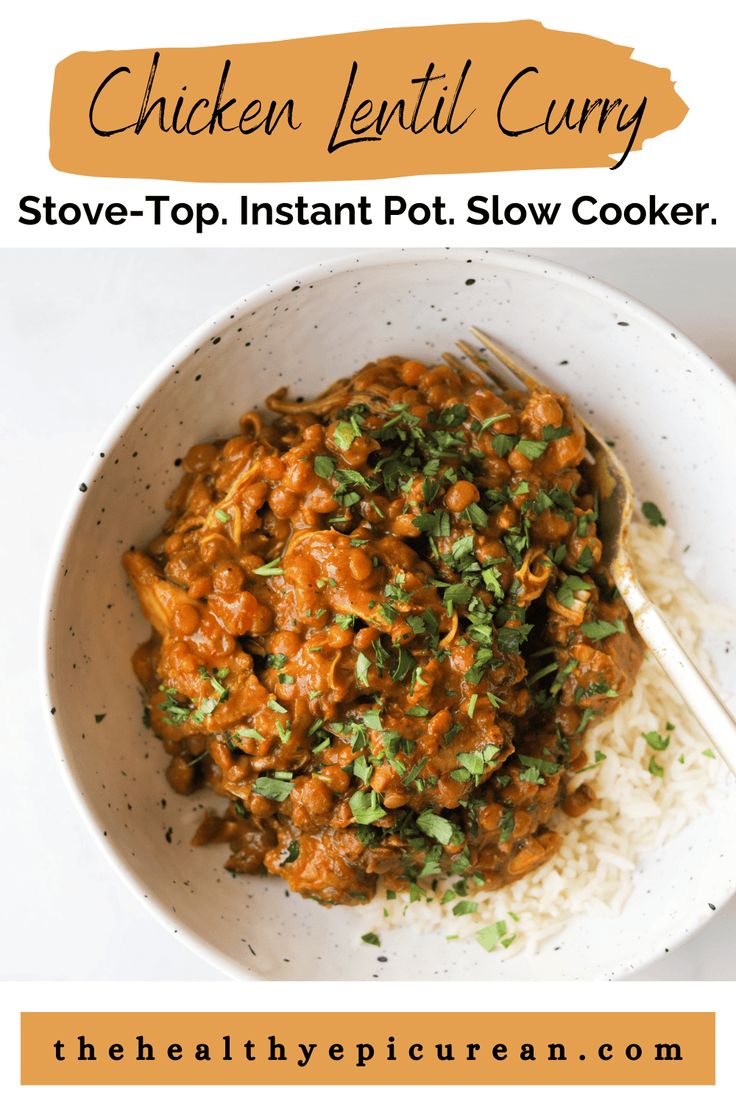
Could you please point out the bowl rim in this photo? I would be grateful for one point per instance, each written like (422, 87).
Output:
(316, 272)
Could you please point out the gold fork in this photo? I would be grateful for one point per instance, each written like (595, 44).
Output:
(616, 505)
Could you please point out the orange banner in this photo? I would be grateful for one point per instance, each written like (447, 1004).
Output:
(368, 1048)
(374, 104)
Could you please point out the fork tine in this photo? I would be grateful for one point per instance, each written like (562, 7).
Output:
(452, 360)
(480, 362)
(521, 374)
(477, 360)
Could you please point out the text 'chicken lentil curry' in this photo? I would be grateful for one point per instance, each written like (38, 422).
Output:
(380, 631)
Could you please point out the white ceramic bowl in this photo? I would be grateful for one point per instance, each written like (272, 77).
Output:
(672, 414)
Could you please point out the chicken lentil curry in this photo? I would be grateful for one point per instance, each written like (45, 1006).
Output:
(380, 631)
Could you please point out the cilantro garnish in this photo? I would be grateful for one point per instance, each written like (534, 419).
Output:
(345, 433)
(362, 769)
(510, 638)
(531, 449)
(464, 908)
(324, 466)
(246, 734)
(362, 665)
(435, 826)
(543, 766)
(554, 433)
(435, 524)
(456, 594)
(292, 853)
(599, 630)
(653, 514)
(585, 559)
(598, 757)
(474, 763)
(506, 825)
(570, 586)
(586, 718)
(476, 515)
(655, 741)
(271, 568)
(481, 427)
(490, 936)
(503, 444)
(366, 807)
(275, 789)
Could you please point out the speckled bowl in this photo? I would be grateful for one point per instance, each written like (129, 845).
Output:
(671, 411)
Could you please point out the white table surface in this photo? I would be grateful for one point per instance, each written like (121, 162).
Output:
(79, 330)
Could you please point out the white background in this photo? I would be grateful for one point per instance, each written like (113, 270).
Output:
(79, 330)
(691, 163)
(77, 334)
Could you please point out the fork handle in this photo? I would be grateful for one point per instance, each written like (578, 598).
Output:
(690, 683)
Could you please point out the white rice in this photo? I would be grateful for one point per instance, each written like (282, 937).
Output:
(593, 872)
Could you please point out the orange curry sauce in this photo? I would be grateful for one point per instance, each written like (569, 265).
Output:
(380, 632)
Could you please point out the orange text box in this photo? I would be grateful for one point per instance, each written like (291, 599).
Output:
(368, 1048)
(402, 101)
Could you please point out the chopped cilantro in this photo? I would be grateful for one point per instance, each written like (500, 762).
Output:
(247, 734)
(656, 742)
(586, 718)
(531, 449)
(362, 769)
(598, 757)
(324, 466)
(554, 433)
(570, 586)
(599, 630)
(585, 559)
(511, 637)
(435, 524)
(490, 936)
(464, 908)
(457, 594)
(476, 515)
(366, 807)
(271, 568)
(653, 514)
(275, 789)
(506, 825)
(344, 434)
(544, 766)
(292, 853)
(362, 665)
(503, 444)
(435, 826)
